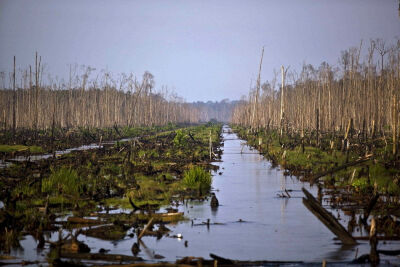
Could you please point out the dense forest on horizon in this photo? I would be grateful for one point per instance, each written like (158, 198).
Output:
(218, 110)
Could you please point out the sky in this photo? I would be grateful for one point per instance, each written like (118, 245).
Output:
(203, 50)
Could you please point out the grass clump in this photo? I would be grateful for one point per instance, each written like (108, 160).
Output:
(64, 181)
(197, 177)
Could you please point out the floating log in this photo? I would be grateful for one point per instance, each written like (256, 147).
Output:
(315, 178)
(327, 219)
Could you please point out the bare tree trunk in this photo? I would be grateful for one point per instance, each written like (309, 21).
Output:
(255, 118)
(14, 119)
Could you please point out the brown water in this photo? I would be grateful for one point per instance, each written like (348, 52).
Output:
(252, 222)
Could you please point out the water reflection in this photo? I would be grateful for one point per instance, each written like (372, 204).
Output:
(271, 228)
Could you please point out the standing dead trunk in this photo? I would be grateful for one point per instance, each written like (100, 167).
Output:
(317, 125)
(282, 116)
(255, 117)
(373, 241)
(394, 124)
(14, 118)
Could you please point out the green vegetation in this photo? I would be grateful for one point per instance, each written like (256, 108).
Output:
(149, 170)
(196, 177)
(287, 151)
(160, 167)
(20, 148)
(64, 180)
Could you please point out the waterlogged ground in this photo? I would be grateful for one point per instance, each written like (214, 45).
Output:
(251, 223)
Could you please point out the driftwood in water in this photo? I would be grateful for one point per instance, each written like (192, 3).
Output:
(327, 219)
(359, 161)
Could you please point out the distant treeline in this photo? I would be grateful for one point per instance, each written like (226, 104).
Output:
(86, 101)
(363, 93)
(220, 111)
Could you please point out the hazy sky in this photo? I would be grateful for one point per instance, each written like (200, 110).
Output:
(206, 50)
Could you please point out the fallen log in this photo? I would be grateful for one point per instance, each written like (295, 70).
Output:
(370, 207)
(79, 220)
(145, 229)
(389, 252)
(221, 260)
(22, 263)
(160, 217)
(100, 256)
(142, 217)
(394, 238)
(135, 208)
(107, 232)
(161, 264)
(327, 219)
(315, 178)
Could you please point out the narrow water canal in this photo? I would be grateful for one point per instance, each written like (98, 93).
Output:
(253, 223)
